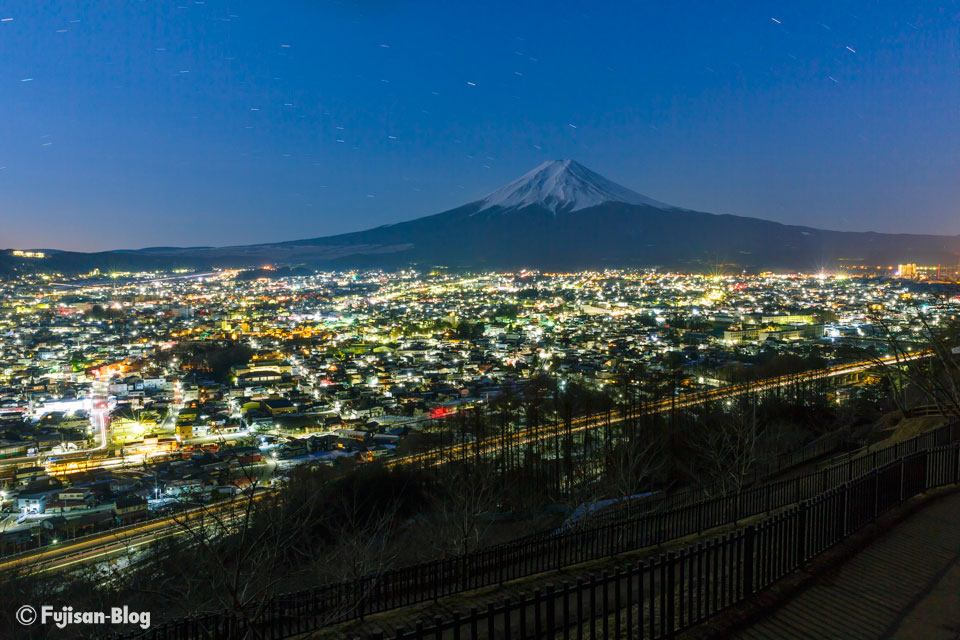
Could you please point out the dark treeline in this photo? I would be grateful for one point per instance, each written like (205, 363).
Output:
(769, 364)
(211, 357)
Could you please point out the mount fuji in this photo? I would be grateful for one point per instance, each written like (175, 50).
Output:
(559, 216)
(563, 186)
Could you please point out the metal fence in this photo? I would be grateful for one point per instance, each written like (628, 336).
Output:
(818, 510)
(666, 595)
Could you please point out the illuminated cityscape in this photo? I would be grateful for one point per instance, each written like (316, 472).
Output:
(108, 382)
(499, 321)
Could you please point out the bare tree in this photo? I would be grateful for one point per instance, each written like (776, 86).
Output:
(360, 552)
(926, 363)
(239, 548)
(632, 463)
(728, 452)
(241, 543)
(466, 499)
(359, 548)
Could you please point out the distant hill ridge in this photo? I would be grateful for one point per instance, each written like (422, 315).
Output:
(560, 215)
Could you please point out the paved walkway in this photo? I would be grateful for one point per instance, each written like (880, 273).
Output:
(905, 584)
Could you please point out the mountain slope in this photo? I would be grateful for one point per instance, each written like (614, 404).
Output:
(563, 186)
(561, 215)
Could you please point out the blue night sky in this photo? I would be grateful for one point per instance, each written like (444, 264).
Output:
(130, 124)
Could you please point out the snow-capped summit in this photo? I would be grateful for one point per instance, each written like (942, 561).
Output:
(563, 185)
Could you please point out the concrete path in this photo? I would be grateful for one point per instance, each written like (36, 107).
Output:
(905, 584)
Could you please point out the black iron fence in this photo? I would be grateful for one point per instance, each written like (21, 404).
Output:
(666, 595)
(619, 511)
(814, 511)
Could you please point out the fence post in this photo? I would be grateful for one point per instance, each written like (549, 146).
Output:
(844, 516)
(876, 493)
(551, 612)
(500, 563)
(902, 473)
(356, 595)
(926, 468)
(749, 541)
(801, 550)
(558, 558)
(956, 462)
(671, 593)
(360, 597)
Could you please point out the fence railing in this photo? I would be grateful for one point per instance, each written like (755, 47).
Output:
(896, 473)
(663, 596)
(687, 496)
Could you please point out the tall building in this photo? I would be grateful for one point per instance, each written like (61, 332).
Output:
(908, 271)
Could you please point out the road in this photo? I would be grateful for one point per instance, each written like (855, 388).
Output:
(532, 434)
(99, 547)
(114, 283)
(169, 422)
